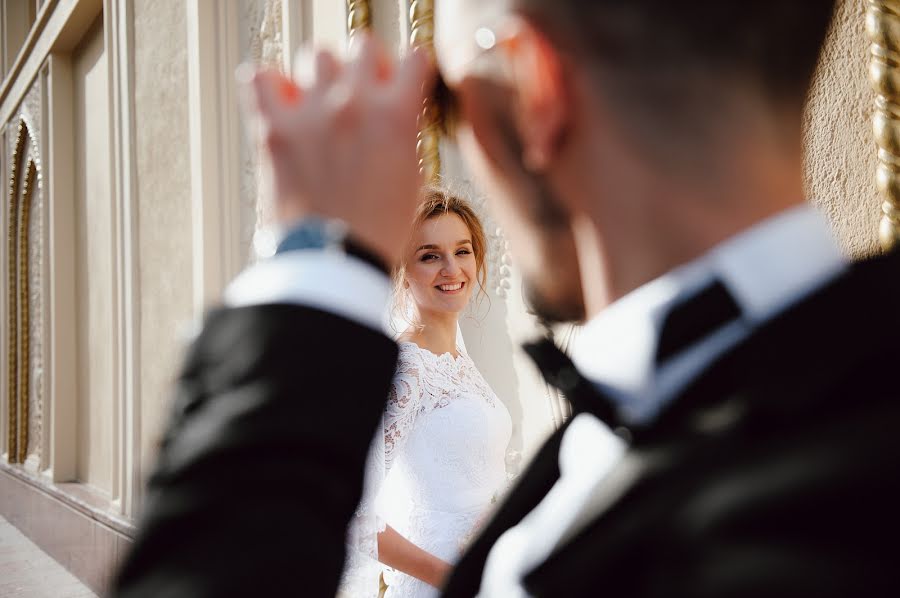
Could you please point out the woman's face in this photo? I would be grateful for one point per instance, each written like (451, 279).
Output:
(441, 269)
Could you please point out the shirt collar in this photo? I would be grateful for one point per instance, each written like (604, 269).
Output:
(766, 268)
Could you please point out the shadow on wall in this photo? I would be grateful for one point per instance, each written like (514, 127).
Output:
(491, 348)
(496, 326)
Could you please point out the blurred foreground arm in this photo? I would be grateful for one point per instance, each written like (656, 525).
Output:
(261, 465)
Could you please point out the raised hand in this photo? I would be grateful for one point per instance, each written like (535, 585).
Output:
(342, 140)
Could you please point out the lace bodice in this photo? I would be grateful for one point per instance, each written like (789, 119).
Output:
(446, 429)
(445, 436)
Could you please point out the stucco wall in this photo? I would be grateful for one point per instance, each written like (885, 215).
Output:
(841, 153)
(163, 196)
(95, 265)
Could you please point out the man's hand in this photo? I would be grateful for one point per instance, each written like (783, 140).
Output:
(343, 143)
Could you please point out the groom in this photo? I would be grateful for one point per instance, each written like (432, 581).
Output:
(645, 158)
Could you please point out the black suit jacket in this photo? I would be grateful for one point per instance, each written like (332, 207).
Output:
(777, 473)
(262, 463)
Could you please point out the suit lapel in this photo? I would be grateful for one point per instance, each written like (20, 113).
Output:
(791, 361)
(782, 372)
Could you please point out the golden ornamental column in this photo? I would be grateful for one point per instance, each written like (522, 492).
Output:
(24, 373)
(359, 16)
(12, 321)
(21, 188)
(883, 28)
(421, 35)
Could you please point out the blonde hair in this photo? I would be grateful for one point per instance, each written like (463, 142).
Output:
(438, 202)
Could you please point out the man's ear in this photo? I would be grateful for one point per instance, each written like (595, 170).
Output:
(542, 97)
(485, 104)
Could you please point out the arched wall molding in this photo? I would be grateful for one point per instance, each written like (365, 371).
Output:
(24, 180)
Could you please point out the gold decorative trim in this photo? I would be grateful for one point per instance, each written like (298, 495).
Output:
(421, 35)
(12, 299)
(883, 29)
(359, 16)
(17, 298)
(24, 311)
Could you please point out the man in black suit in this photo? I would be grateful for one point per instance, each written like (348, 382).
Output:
(645, 158)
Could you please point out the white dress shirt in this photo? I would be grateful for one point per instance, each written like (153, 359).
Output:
(766, 269)
(324, 279)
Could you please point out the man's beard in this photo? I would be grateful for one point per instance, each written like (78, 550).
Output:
(552, 311)
(564, 303)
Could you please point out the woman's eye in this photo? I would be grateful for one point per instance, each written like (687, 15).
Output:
(463, 252)
(429, 257)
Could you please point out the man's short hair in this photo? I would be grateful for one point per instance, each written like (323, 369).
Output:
(681, 57)
(773, 42)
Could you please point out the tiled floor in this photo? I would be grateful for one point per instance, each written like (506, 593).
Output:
(27, 572)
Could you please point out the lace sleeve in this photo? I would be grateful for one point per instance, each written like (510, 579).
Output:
(362, 569)
(404, 401)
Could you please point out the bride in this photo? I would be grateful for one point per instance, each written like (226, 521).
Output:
(445, 432)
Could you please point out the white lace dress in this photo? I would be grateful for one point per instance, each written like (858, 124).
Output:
(446, 435)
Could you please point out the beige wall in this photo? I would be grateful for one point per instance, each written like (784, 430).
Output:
(163, 195)
(841, 153)
(17, 17)
(96, 388)
(4, 375)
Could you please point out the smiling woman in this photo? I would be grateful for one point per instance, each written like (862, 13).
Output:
(445, 432)
(448, 248)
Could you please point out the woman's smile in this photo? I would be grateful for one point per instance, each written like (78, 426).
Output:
(451, 288)
(441, 265)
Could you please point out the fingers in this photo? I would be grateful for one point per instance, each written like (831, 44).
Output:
(414, 79)
(327, 68)
(316, 70)
(274, 94)
(370, 62)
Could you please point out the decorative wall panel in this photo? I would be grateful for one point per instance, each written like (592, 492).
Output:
(260, 43)
(36, 268)
(263, 26)
(24, 298)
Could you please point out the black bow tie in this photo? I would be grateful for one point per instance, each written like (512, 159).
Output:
(688, 321)
(559, 371)
(695, 317)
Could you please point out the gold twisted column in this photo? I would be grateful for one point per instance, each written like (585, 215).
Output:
(17, 296)
(359, 16)
(24, 315)
(12, 300)
(883, 28)
(421, 35)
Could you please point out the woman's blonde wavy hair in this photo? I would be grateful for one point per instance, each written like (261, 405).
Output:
(437, 202)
